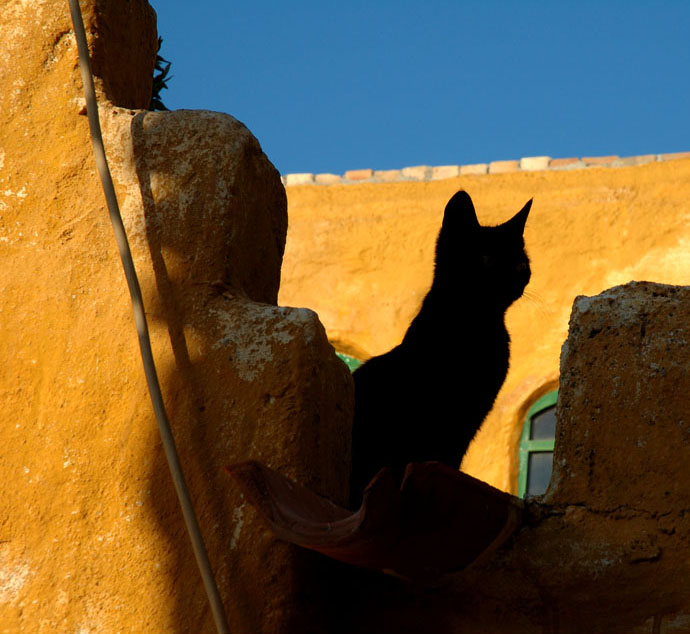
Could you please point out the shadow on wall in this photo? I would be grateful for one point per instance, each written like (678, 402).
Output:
(246, 378)
(603, 550)
(186, 403)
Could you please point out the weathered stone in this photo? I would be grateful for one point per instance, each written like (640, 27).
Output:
(123, 49)
(168, 186)
(359, 175)
(417, 172)
(388, 175)
(92, 537)
(565, 163)
(503, 167)
(534, 163)
(475, 168)
(327, 179)
(306, 178)
(614, 517)
(625, 364)
(604, 161)
(673, 156)
(445, 171)
(605, 549)
(37, 51)
(627, 161)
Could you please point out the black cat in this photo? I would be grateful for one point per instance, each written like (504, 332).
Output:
(426, 398)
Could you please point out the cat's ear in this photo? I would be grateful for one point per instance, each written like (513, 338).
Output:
(517, 222)
(460, 214)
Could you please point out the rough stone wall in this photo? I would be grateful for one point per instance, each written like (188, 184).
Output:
(91, 537)
(605, 550)
(361, 255)
(629, 437)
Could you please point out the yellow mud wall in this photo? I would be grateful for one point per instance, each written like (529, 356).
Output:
(361, 255)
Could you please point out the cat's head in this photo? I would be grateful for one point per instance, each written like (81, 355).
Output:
(488, 262)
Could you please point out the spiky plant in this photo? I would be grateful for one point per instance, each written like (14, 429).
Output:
(160, 79)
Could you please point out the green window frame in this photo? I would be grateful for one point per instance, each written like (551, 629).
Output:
(349, 361)
(529, 446)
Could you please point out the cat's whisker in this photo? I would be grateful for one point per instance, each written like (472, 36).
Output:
(402, 397)
(532, 297)
(536, 301)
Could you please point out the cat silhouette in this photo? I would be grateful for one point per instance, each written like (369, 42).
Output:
(426, 398)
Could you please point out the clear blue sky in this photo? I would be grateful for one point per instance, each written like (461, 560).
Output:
(331, 86)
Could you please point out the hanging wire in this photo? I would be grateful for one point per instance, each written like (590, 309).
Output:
(142, 328)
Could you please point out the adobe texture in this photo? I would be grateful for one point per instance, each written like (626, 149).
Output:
(92, 539)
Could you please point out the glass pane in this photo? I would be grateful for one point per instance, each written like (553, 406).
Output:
(544, 425)
(351, 362)
(539, 472)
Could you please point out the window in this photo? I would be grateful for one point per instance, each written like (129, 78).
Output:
(536, 446)
(350, 362)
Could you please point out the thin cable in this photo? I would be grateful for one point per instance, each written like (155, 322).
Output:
(142, 328)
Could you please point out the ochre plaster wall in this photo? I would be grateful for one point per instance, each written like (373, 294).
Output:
(91, 533)
(362, 256)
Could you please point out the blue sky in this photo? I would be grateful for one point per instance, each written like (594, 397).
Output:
(328, 87)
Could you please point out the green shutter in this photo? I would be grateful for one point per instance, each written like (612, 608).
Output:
(528, 446)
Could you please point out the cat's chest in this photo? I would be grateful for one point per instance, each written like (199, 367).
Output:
(475, 354)
(476, 358)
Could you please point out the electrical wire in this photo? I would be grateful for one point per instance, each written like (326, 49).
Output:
(142, 328)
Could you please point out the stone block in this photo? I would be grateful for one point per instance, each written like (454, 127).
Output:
(305, 178)
(388, 176)
(674, 156)
(623, 437)
(124, 64)
(416, 173)
(502, 167)
(359, 175)
(534, 163)
(476, 168)
(643, 159)
(602, 161)
(444, 171)
(631, 161)
(564, 163)
(327, 179)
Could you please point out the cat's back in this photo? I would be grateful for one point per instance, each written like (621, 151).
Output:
(426, 398)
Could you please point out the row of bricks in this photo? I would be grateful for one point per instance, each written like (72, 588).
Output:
(426, 173)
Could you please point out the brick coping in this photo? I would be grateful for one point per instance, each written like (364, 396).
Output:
(427, 173)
